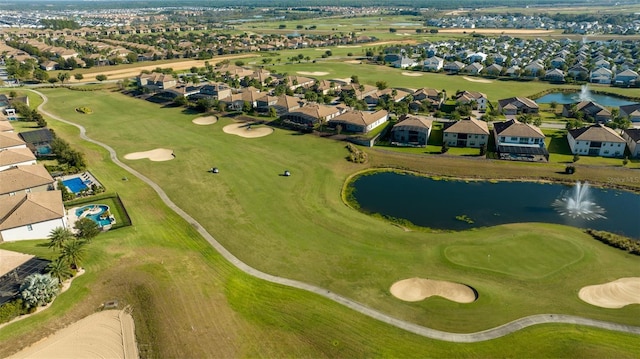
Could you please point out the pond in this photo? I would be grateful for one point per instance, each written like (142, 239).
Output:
(460, 205)
(565, 98)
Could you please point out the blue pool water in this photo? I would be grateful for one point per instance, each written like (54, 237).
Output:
(75, 185)
(94, 213)
(44, 150)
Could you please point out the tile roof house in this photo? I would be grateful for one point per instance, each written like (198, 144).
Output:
(516, 105)
(412, 131)
(632, 137)
(31, 215)
(589, 109)
(360, 121)
(433, 63)
(631, 111)
(156, 81)
(16, 157)
(11, 140)
(479, 98)
(5, 126)
(519, 141)
(601, 76)
(312, 114)
(26, 179)
(626, 78)
(468, 132)
(596, 140)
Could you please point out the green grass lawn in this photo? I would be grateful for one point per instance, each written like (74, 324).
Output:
(189, 302)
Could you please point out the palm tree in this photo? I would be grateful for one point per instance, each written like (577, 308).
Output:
(59, 269)
(73, 253)
(58, 237)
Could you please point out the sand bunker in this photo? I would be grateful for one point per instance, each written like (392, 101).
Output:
(247, 130)
(107, 334)
(417, 289)
(412, 74)
(353, 62)
(317, 73)
(10, 260)
(157, 155)
(484, 81)
(208, 120)
(616, 294)
(349, 46)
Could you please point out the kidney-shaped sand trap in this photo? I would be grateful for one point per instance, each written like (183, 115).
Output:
(246, 130)
(207, 120)
(417, 289)
(157, 155)
(616, 294)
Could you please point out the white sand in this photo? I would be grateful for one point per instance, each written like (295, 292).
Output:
(496, 31)
(349, 46)
(417, 289)
(157, 155)
(106, 334)
(317, 73)
(242, 130)
(616, 294)
(10, 260)
(208, 120)
(353, 62)
(412, 74)
(484, 81)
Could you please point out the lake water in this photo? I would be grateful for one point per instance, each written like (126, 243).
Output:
(436, 204)
(565, 98)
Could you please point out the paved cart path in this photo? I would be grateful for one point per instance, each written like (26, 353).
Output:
(488, 334)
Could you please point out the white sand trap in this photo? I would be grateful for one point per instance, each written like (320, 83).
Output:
(417, 289)
(244, 130)
(349, 46)
(106, 334)
(317, 73)
(616, 294)
(10, 260)
(208, 120)
(353, 62)
(484, 81)
(412, 74)
(157, 155)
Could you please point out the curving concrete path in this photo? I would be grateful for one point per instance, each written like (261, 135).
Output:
(488, 334)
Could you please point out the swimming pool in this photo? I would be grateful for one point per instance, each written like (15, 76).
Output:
(75, 185)
(95, 213)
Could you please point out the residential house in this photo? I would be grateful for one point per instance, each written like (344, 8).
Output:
(516, 105)
(519, 141)
(631, 111)
(327, 86)
(493, 70)
(216, 91)
(404, 63)
(468, 132)
(469, 97)
(596, 140)
(360, 91)
(632, 137)
(412, 131)
(156, 81)
(601, 76)
(285, 104)
(312, 114)
(473, 69)
(11, 140)
(454, 66)
(513, 71)
(38, 141)
(433, 96)
(25, 179)
(31, 215)
(360, 121)
(578, 72)
(299, 81)
(589, 109)
(49, 65)
(434, 63)
(16, 157)
(626, 78)
(388, 94)
(554, 75)
(5, 126)
(534, 69)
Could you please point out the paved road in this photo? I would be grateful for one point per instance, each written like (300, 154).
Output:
(414, 328)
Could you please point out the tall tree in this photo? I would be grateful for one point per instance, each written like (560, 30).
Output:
(87, 229)
(58, 237)
(59, 269)
(73, 252)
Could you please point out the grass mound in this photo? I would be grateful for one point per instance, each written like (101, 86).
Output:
(85, 110)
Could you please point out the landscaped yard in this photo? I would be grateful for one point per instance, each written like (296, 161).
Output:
(189, 302)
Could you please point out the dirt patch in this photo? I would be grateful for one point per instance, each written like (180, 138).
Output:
(417, 289)
(107, 334)
(207, 120)
(157, 155)
(412, 74)
(10, 260)
(317, 73)
(247, 130)
(483, 81)
(616, 294)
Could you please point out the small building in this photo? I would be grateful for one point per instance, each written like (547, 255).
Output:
(405, 62)
(596, 140)
(519, 141)
(312, 114)
(589, 109)
(626, 78)
(516, 105)
(25, 179)
(31, 215)
(360, 121)
(631, 111)
(468, 132)
(554, 75)
(473, 68)
(156, 81)
(412, 131)
(454, 66)
(632, 137)
(601, 76)
(468, 97)
(434, 63)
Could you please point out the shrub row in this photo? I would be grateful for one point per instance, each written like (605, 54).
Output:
(356, 155)
(616, 240)
(12, 309)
